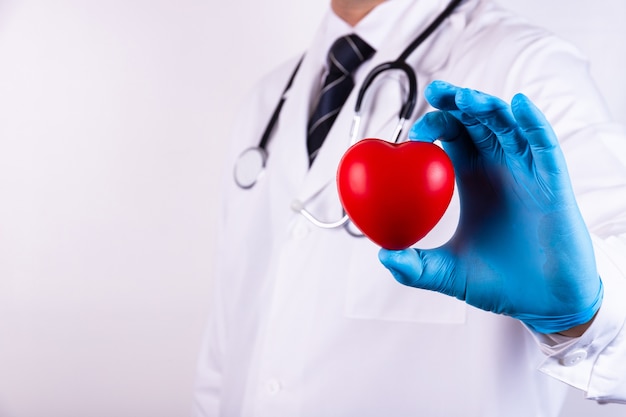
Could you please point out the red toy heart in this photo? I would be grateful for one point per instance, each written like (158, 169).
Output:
(395, 193)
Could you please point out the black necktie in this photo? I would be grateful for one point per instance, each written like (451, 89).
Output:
(344, 57)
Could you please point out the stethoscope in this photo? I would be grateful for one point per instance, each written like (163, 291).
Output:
(252, 161)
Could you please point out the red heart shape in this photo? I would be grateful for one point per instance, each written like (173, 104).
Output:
(395, 193)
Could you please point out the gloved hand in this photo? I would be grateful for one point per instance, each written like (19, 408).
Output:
(521, 247)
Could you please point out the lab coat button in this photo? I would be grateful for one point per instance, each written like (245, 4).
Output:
(273, 386)
(574, 357)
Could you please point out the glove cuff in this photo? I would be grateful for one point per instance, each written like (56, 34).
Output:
(556, 324)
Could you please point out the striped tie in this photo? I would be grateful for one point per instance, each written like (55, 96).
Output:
(344, 57)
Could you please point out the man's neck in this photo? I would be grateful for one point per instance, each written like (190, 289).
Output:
(352, 11)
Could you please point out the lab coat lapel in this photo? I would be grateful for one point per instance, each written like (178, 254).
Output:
(289, 145)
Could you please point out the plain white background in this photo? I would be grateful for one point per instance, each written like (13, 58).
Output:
(114, 117)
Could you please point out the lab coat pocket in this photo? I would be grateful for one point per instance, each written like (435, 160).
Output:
(373, 294)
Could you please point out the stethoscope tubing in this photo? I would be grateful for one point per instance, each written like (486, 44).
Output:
(399, 63)
(406, 111)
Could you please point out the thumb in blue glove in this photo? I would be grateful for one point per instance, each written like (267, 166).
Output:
(521, 247)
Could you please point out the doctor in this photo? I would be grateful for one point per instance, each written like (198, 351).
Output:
(307, 322)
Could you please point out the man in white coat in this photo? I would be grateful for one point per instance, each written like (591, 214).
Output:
(307, 321)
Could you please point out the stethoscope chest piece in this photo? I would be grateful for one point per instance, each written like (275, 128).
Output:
(250, 167)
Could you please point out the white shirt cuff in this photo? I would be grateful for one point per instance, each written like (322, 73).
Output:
(596, 361)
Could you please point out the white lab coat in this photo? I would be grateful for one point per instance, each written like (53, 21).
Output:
(306, 322)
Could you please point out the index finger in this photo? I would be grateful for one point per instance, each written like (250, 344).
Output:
(497, 116)
(442, 95)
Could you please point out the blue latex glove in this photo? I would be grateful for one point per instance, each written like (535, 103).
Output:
(521, 247)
